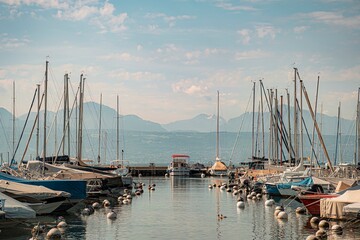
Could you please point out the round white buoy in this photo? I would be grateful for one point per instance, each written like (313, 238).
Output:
(235, 187)
(129, 197)
(249, 196)
(258, 195)
(312, 237)
(85, 211)
(153, 185)
(337, 229)
(254, 198)
(166, 175)
(277, 211)
(282, 215)
(106, 203)
(269, 202)
(320, 233)
(300, 210)
(53, 233)
(96, 205)
(152, 189)
(140, 175)
(235, 192)
(62, 224)
(324, 224)
(125, 201)
(120, 199)
(240, 204)
(222, 187)
(202, 175)
(210, 186)
(253, 193)
(228, 190)
(111, 215)
(137, 193)
(314, 220)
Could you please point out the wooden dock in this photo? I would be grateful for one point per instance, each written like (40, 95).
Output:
(150, 170)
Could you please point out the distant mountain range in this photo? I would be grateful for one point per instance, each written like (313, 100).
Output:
(200, 123)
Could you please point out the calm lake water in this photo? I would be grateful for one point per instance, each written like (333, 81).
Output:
(184, 208)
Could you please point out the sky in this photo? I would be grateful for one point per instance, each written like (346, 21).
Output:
(167, 59)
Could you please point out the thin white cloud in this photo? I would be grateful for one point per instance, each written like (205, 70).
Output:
(253, 54)
(190, 86)
(334, 18)
(231, 7)
(9, 43)
(266, 30)
(300, 29)
(245, 35)
(42, 3)
(170, 20)
(136, 76)
(121, 56)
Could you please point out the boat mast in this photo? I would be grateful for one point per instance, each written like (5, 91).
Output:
(318, 130)
(295, 119)
(313, 132)
(217, 129)
(253, 124)
(301, 124)
(281, 129)
(117, 127)
(45, 113)
(38, 122)
(357, 157)
(262, 121)
(98, 158)
(13, 125)
(337, 135)
(289, 123)
(82, 81)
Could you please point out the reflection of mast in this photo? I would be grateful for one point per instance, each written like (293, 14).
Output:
(217, 129)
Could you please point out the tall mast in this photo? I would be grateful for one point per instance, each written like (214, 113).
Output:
(295, 119)
(82, 81)
(301, 124)
(217, 127)
(313, 132)
(45, 113)
(262, 122)
(357, 158)
(13, 125)
(253, 123)
(117, 127)
(68, 112)
(99, 129)
(38, 122)
(281, 128)
(289, 123)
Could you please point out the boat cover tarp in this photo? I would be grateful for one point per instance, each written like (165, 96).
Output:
(77, 188)
(219, 166)
(341, 186)
(37, 192)
(333, 207)
(307, 182)
(352, 208)
(16, 209)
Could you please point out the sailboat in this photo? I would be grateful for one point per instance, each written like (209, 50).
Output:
(219, 168)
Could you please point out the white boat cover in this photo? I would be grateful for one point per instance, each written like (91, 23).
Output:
(333, 207)
(37, 192)
(352, 208)
(16, 209)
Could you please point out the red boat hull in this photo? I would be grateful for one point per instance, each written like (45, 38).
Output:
(312, 202)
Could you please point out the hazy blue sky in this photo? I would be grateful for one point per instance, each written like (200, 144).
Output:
(167, 58)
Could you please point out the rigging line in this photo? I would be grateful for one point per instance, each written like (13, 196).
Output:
(66, 127)
(240, 127)
(32, 131)
(23, 130)
(6, 137)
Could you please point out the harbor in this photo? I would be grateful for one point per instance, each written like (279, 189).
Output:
(183, 208)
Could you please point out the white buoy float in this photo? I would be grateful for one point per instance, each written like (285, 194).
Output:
(320, 233)
(202, 175)
(300, 210)
(210, 186)
(324, 224)
(85, 211)
(240, 204)
(96, 205)
(62, 224)
(53, 233)
(111, 215)
(269, 202)
(277, 211)
(106, 203)
(222, 187)
(314, 220)
(337, 229)
(282, 215)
